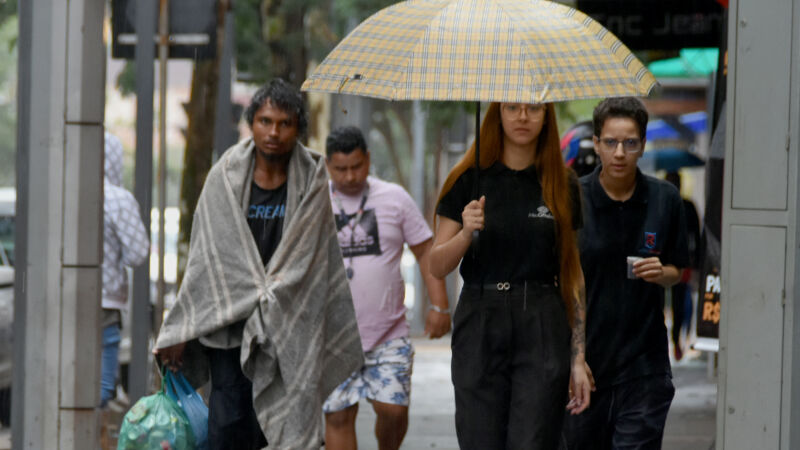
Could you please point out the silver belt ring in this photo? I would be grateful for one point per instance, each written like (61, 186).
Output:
(503, 286)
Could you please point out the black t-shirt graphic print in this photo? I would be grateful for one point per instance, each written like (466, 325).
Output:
(357, 239)
(265, 217)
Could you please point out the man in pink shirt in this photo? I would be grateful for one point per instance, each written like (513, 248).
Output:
(374, 219)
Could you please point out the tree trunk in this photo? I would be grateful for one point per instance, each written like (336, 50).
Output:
(288, 47)
(384, 127)
(198, 155)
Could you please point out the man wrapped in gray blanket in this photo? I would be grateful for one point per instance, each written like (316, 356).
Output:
(264, 309)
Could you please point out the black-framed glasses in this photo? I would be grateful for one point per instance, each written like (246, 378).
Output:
(630, 145)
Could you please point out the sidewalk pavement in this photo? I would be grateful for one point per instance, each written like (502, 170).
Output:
(692, 421)
(691, 424)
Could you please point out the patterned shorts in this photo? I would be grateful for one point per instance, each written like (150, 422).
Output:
(385, 377)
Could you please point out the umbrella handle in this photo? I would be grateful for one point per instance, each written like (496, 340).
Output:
(476, 187)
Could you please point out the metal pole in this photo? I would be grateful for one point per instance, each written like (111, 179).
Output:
(146, 13)
(418, 143)
(477, 187)
(18, 434)
(163, 50)
(222, 125)
(418, 193)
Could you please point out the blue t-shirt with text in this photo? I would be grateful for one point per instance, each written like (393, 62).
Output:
(265, 218)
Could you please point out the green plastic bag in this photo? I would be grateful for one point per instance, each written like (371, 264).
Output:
(156, 422)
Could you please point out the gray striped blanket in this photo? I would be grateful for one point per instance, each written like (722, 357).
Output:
(300, 339)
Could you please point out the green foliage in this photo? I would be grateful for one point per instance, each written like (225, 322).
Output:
(349, 13)
(126, 80)
(276, 38)
(570, 113)
(9, 30)
(8, 9)
(359, 9)
(444, 114)
(253, 57)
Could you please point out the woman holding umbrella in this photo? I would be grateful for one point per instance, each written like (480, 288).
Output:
(523, 285)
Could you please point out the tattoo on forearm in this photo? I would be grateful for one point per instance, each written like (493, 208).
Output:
(579, 324)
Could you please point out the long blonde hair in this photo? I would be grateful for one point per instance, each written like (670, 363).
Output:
(556, 192)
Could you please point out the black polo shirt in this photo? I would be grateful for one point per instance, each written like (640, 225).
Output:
(625, 333)
(518, 240)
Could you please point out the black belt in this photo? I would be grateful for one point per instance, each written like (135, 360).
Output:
(506, 286)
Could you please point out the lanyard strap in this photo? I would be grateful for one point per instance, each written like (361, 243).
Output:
(360, 211)
(352, 225)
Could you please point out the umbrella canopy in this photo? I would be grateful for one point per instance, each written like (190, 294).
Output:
(526, 51)
(669, 159)
(692, 63)
(659, 129)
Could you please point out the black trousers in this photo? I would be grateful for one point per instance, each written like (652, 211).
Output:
(232, 423)
(510, 367)
(630, 415)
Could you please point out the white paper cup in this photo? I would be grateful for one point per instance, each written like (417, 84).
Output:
(631, 260)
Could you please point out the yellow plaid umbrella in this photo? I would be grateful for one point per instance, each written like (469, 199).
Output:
(526, 51)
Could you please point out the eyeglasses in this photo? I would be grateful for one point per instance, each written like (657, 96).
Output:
(629, 145)
(515, 109)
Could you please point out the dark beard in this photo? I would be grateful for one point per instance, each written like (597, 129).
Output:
(272, 158)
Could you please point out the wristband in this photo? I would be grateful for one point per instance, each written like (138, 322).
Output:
(438, 309)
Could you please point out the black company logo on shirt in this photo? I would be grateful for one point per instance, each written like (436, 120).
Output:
(541, 213)
(358, 239)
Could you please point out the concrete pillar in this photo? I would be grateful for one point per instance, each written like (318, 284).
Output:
(141, 317)
(60, 215)
(759, 382)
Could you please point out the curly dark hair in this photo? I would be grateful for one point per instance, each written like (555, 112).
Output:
(284, 96)
(344, 140)
(625, 107)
